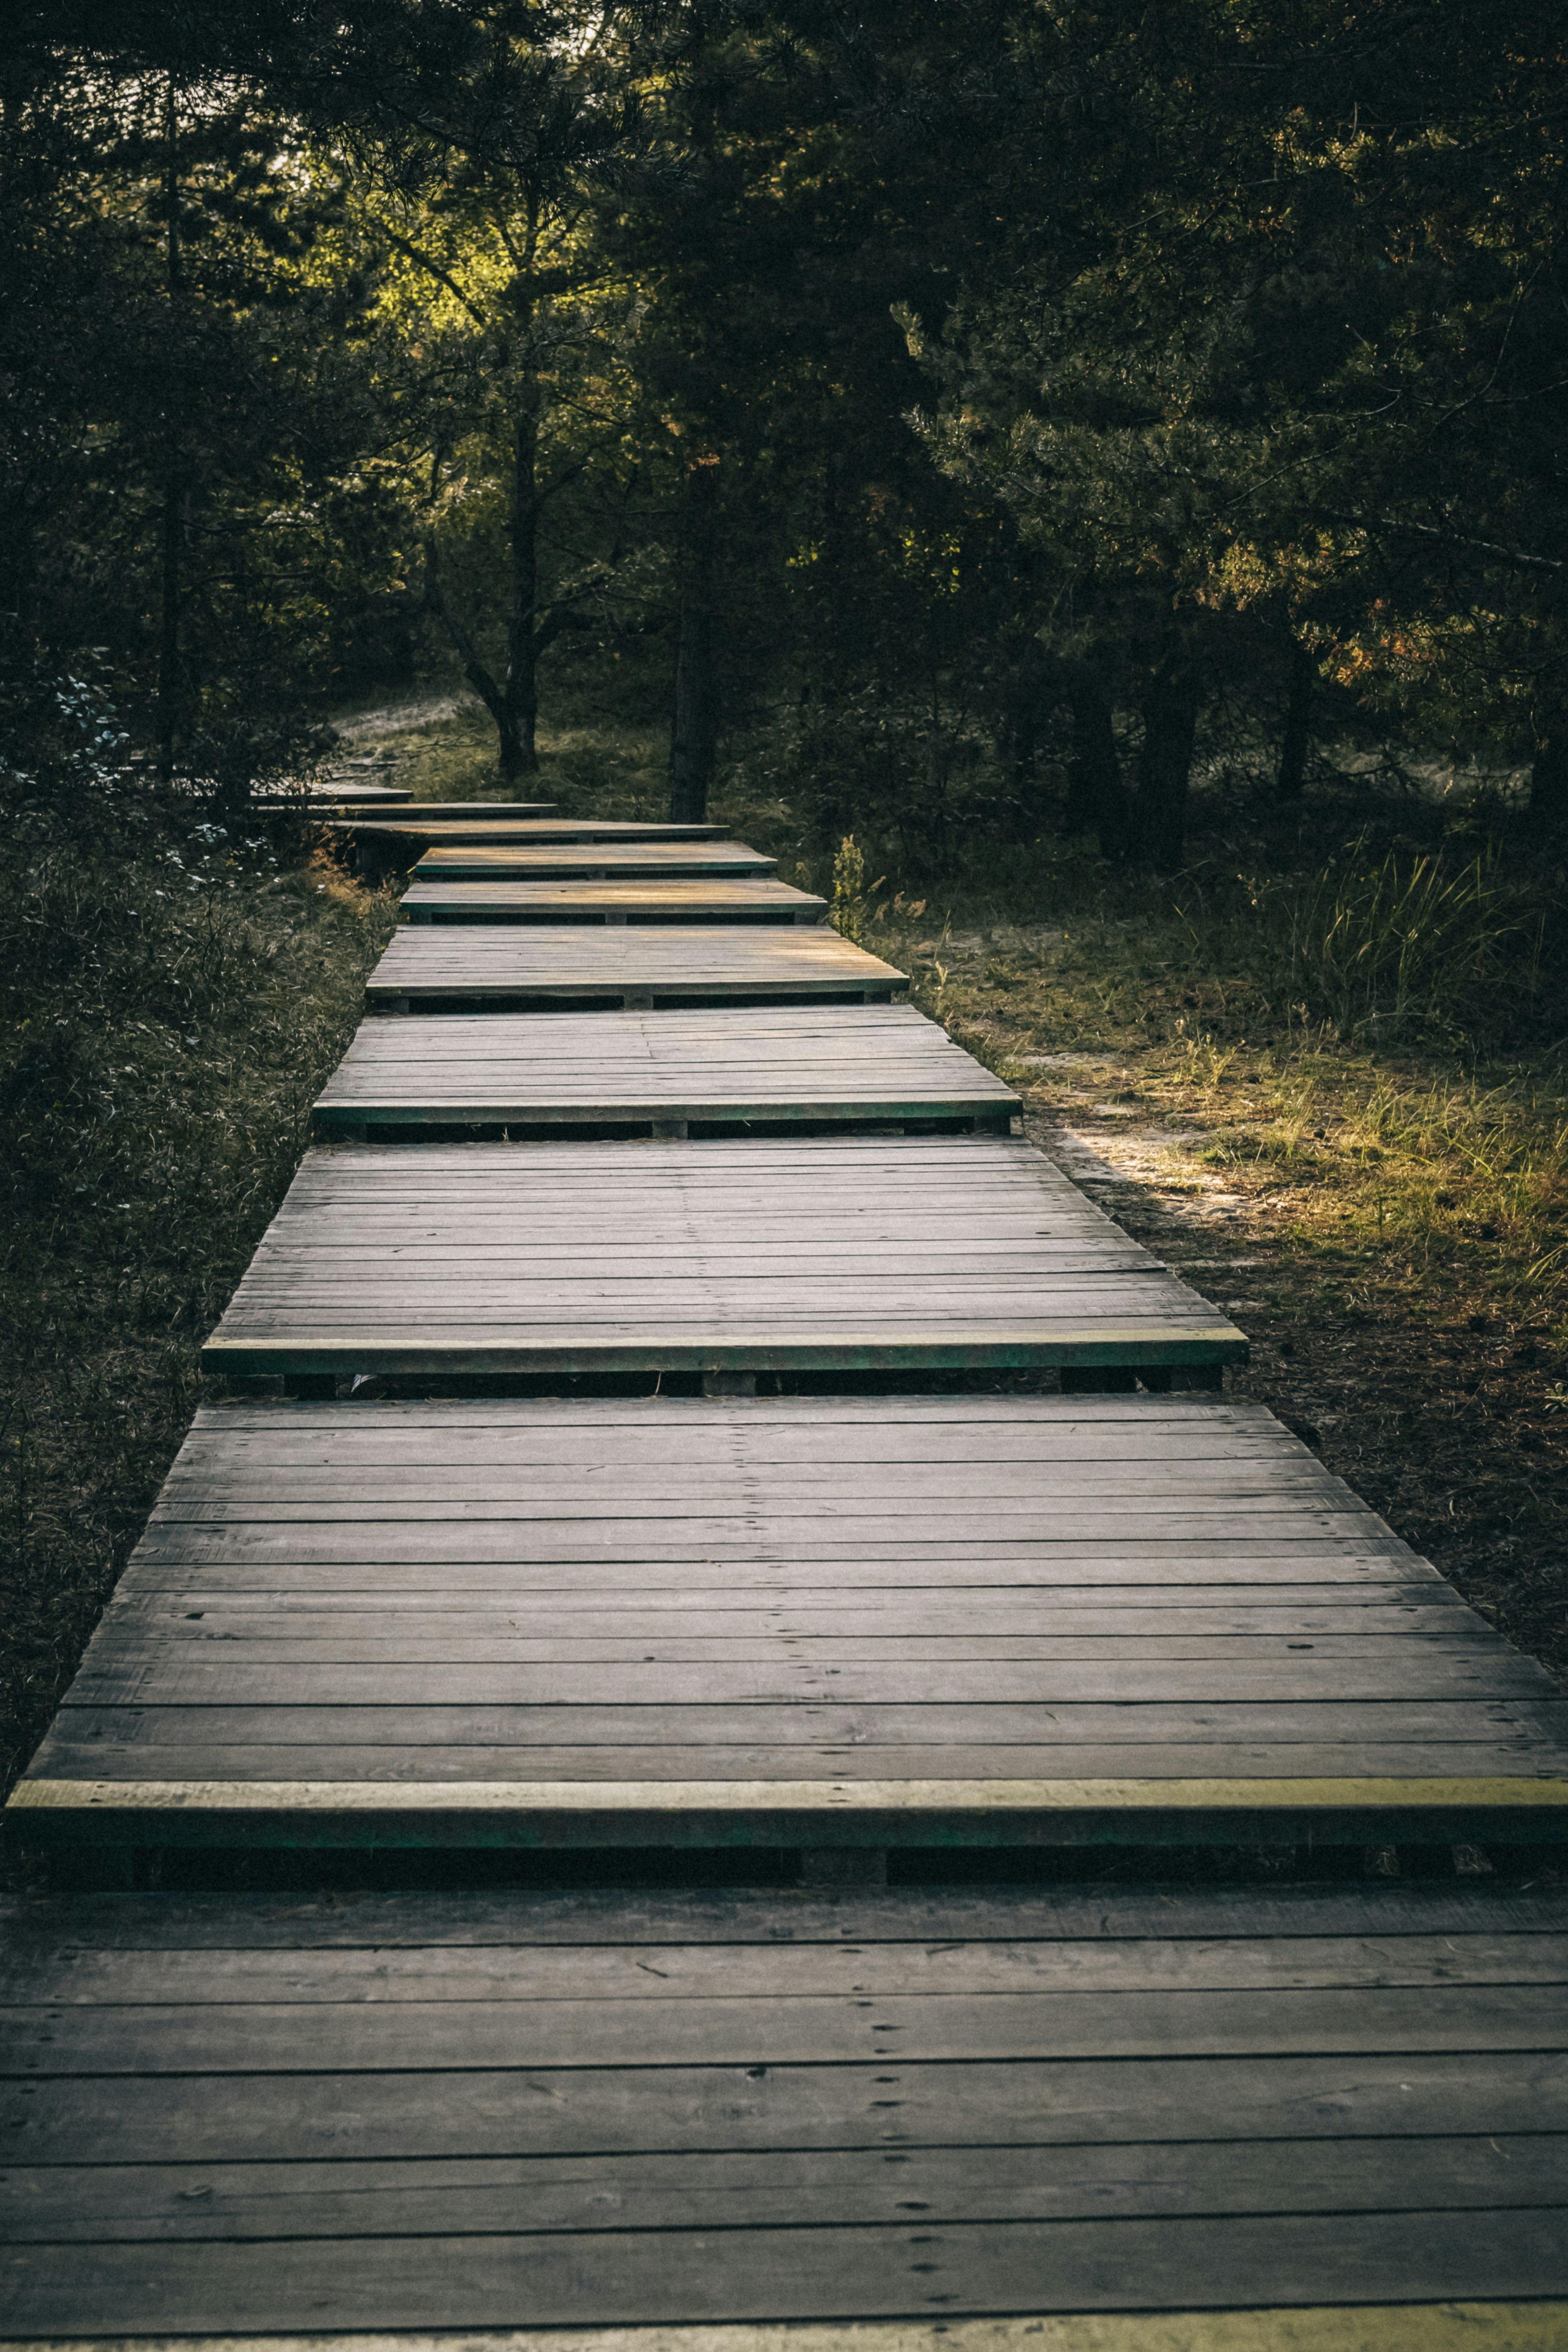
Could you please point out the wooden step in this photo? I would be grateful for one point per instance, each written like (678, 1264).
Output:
(541, 861)
(866, 1062)
(1285, 2124)
(672, 900)
(722, 1256)
(784, 1622)
(451, 821)
(589, 962)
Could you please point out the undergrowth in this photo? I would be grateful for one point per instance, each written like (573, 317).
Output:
(175, 991)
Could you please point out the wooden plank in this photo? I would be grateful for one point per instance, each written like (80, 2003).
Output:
(52, 1931)
(347, 1279)
(83, 2204)
(871, 1061)
(702, 962)
(166, 2116)
(666, 898)
(248, 2037)
(637, 2278)
(541, 861)
(75, 1976)
(470, 824)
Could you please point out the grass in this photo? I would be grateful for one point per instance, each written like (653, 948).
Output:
(173, 998)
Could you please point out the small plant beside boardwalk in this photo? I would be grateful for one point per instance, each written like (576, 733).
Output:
(177, 987)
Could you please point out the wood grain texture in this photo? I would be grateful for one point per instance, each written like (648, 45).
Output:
(710, 1255)
(589, 961)
(285, 2119)
(860, 1061)
(558, 1622)
(541, 861)
(672, 899)
(469, 825)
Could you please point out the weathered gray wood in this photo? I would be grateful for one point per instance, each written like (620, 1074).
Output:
(205, 1758)
(471, 823)
(243, 2037)
(83, 2204)
(520, 860)
(867, 1062)
(208, 1674)
(670, 899)
(403, 1261)
(686, 2276)
(426, 2113)
(588, 961)
(478, 1610)
(278, 2117)
(76, 1977)
(52, 1930)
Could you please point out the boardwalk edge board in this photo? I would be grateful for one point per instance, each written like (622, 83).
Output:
(1338, 2327)
(786, 1814)
(411, 1351)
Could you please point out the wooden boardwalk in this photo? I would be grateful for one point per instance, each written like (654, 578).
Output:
(416, 825)
(790, 1622)
(239, 2118)
(701, 899)
(626, 860)
(1328, 2119)
(724, 1066)
(646, 963)
(843, 1252)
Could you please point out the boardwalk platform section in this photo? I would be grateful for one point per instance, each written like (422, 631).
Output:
(925, 1621)
(452, 821)
(866, 1063)
(389, 841)
(1341, 2118)
(603, 860)
(841, 1253)
(672, 900)
(913, 1620)
(588, 963)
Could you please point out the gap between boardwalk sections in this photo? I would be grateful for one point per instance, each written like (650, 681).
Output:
(1327, 2118)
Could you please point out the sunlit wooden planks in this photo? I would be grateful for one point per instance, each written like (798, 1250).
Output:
(789, 1621)
(1340, 2119)
(542, 861)
(728, 1066)
(651, 963)
(675, 899)
(846, 1251)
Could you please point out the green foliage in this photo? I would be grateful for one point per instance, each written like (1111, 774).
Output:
(1408, 941)
(173, 994)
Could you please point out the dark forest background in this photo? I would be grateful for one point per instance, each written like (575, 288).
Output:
(1097, 395)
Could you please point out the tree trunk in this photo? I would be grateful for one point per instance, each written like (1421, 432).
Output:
(514, 757)
(173, 528)
(1097, 798)
(1548, 776)
(694, 732)
(1296, 740)
(1170, 703)
(520, 754)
